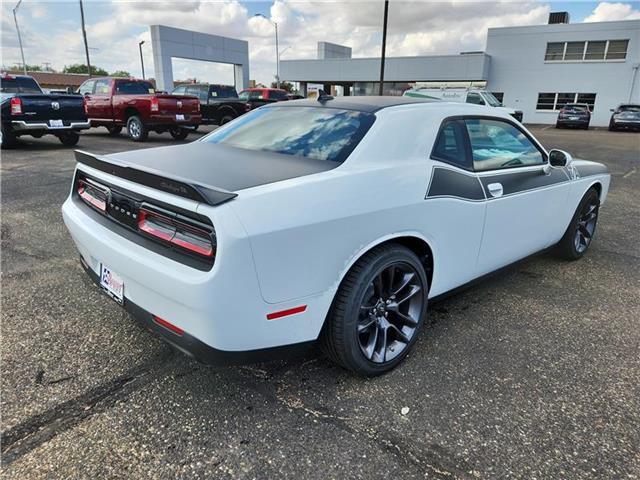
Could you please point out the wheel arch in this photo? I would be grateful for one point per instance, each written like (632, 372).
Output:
(130, 112)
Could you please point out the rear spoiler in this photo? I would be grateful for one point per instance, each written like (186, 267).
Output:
(175, 186)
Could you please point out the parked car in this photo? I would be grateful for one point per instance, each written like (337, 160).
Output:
(626, 116)
(257, 97)
(27, 110)
(574, 115)
(219, 104)
(474, 96)
(115, 103)
(308, 221)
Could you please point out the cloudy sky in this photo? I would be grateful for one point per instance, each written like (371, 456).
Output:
(51, 29)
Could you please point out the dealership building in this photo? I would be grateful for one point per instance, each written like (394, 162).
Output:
(536, 69)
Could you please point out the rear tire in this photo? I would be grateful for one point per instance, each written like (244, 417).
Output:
(378, 311)
(136, 129)
(579, 235)
(69, 139)
(115, 130)
(179, 133)
(225, 119)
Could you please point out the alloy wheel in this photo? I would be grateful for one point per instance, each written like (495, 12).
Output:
(390, 312)
(586, 225)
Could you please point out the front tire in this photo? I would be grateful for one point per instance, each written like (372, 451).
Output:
(69, 139)
(179, 133)
(377, 312)
(579, 235)
(136, 129)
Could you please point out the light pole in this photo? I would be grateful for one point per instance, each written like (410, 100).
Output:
(277, 50)
(15, 19)
(384, 45)
(141, 60)
(84, 34)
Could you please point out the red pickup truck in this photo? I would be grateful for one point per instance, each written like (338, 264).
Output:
(127, 102)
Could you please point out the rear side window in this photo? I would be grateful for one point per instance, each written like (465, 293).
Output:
(178, 90)
(496, 144)
(319, 133)
(128, 87)
(19, 85)
(219, 91)
(278, 95)
(450, 146)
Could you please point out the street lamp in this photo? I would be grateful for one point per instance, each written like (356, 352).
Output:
(15, 19)
(141, 60)
(277, 51)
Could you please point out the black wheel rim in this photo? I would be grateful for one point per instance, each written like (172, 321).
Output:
(390, 312)
(586, 226)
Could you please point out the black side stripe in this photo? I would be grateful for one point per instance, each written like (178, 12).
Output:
(446, 182)
(518, 182)
(590, 169)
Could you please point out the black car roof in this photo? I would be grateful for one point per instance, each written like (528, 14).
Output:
(363, 104)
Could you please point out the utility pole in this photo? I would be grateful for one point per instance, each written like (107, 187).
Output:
(15, 19)
(141, 59)
(384, 43)
(277, 50)
(84, 34)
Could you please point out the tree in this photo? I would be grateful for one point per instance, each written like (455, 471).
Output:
(82, 68)
(120, 73)
(30, 68)
(284, 86)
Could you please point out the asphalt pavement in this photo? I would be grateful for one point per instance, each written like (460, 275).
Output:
(532, 373)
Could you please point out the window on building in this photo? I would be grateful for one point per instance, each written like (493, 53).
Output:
(574, 51)
(595, 50)
(555, 51)
(546, 101)
(617, 49)
(555, 101)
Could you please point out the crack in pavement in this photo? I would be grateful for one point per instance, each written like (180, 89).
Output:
(429, 459)
(39, 429)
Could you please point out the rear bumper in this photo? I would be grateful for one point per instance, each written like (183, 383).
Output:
(22, 126)
(626, 123)
(202, 352)
(574, 123)
(170, 120)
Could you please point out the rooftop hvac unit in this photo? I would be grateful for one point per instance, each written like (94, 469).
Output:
(558, 17)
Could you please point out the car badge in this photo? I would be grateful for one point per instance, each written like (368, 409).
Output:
(55, 105)
(179, 104)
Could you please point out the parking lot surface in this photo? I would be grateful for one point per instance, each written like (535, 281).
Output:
(533, 373)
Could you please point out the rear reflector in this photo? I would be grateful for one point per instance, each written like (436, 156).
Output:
(93, 194)
(16, 106)
(286, 313)
(169, 326)
(175, 232)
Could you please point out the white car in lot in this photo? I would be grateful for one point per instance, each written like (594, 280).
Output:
(329, 221)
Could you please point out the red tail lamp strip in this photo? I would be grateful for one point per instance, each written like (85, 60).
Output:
(286, 313)
(169, 326)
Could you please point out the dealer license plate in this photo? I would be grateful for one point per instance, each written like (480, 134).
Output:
(573, 118)
(180, 118)
(56, 123)
(112, 284)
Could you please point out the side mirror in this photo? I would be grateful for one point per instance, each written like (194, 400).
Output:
(612, 109)
(559, 158)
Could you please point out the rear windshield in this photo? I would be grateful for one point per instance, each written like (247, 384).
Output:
(220, 91)
(629, 108)
(576, 108)
(312, 132)
(252, 94)
(19, 85)
(127, 87)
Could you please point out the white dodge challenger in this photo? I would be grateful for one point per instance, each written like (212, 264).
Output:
(329, 221)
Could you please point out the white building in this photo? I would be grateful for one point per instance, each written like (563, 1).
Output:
(534, 68)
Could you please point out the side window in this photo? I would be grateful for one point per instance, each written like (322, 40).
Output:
(450, 145)
(178, 90)
(87, 87)
(497, 144)
(102, 87)
(475, 98)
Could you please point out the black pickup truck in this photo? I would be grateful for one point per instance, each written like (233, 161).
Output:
(219, 104)
(27, 110)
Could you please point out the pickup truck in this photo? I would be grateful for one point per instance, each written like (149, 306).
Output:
(115, 103)
(27, 110)
(219, 104)
(257, 97)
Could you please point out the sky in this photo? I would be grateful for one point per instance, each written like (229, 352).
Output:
(51, 30)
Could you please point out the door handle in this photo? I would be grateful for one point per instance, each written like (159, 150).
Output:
(495, 189)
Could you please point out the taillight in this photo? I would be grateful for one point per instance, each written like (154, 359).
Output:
(16, 106)
(84, 104)
(198, 107)
(93, 194)
(155, 104)
(176, 232)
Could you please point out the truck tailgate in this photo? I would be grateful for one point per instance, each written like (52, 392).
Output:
(60, 107)
(178, 104)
